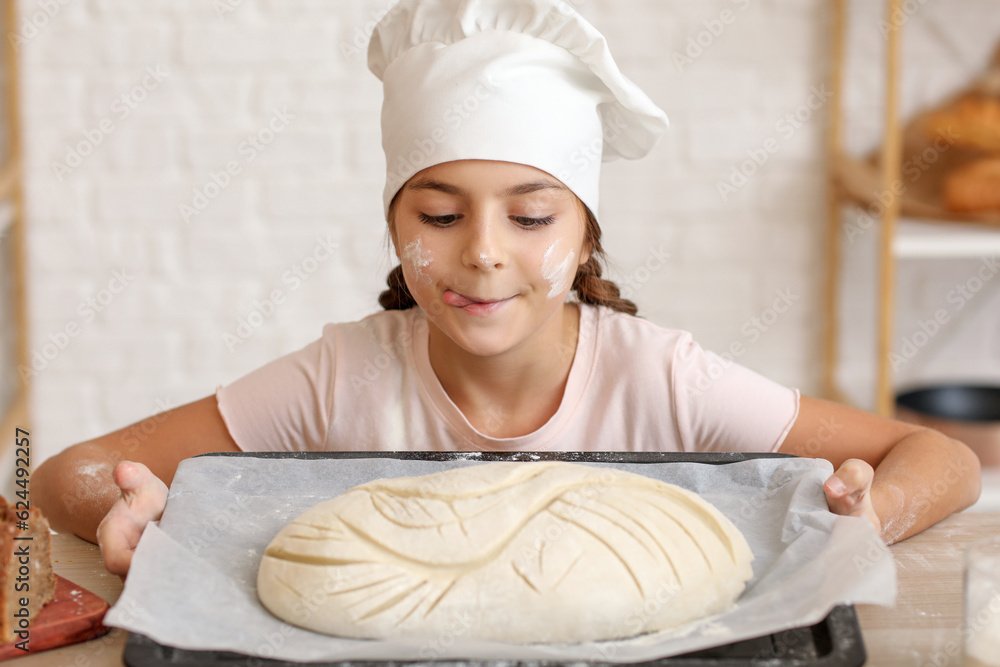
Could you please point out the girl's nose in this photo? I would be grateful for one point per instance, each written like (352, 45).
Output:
(484, 248)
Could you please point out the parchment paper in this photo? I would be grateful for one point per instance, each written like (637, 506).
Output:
(192, 582)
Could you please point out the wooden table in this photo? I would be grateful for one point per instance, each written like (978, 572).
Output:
(81, 563)
(923, 628)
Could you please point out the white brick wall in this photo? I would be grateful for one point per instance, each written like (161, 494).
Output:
(160, 340)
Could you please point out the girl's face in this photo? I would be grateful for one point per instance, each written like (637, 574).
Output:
(489, 249)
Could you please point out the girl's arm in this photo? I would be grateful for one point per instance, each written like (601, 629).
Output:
(80, 486)
(903, 477)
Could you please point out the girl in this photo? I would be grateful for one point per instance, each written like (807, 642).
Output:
(496, 119)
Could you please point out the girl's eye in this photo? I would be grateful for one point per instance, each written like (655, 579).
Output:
(438, 220)
(523, 221)
(533, 222)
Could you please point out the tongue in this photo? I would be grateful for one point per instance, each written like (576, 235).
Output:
(455, 299)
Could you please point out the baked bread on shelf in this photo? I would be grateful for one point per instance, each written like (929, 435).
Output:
(973, 121)
(27, 582)
(974, 187)
(950, 153)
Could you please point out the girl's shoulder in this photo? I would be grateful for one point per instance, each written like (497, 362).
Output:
(383, 325)
(612, 325)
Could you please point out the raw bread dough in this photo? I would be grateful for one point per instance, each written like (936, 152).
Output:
(542, 552)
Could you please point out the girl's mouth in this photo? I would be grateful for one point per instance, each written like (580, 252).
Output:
(473, 305)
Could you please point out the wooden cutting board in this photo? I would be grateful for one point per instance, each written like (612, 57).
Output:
(74, 615)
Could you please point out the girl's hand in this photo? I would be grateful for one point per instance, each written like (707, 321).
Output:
(848, 491)
(143, 498)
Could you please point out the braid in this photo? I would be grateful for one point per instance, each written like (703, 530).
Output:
(588, 283)
(398, 296)
(590, 287)
(597, 291)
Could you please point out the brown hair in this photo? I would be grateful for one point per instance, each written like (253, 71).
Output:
(589, 285)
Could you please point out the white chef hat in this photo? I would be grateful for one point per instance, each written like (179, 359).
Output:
(525, 81)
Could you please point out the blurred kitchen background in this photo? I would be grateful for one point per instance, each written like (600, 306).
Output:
(182, 161)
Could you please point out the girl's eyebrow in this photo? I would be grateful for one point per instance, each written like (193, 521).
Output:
(532, 186)
(514, 191)
(431, 184)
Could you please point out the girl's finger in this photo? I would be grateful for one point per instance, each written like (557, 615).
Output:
(855, 477)
(143, 492)
(116, 543)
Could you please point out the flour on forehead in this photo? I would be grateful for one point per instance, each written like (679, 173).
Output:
(555, 272)
(418, 258)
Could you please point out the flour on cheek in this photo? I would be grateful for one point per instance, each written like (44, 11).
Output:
(557, 274)
(419, 259)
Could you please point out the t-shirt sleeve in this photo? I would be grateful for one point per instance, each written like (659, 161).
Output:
(722, 406)
(282, 406)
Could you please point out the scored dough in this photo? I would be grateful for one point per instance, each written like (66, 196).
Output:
(541, 552)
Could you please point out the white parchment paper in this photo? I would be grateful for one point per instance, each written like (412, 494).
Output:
(192, 582)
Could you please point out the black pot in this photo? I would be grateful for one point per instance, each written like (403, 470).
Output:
(968, 413)
(957, 401)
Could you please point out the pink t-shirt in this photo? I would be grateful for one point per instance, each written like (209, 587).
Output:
(633, 386)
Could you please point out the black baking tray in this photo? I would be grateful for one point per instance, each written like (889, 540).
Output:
(833, 642)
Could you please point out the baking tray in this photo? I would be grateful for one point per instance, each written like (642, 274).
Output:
(833, 642)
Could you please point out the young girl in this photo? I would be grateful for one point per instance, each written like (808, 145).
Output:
(496, 119)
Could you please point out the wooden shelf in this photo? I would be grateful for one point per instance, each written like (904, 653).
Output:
(900, 186)
(12, 227)
(6, 218)
(15, 415)
(930, 239)
(8, 179)
(860, 181)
